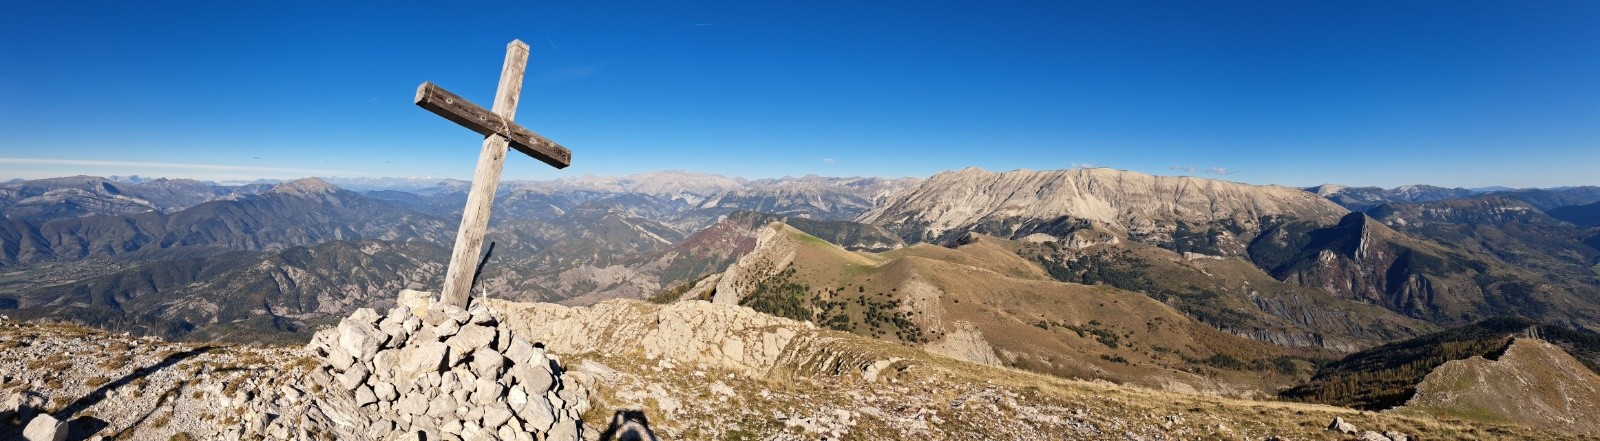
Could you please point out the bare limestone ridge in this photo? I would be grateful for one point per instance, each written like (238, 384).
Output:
(701, 370)
(693, 370)
(305, 187)
(1533, 383)
(1129, 203)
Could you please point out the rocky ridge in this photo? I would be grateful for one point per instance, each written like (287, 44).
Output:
(1533, 382)
(1153, 208)
(702, 370)
(821, 385)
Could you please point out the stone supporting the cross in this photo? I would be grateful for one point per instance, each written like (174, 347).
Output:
(500, 132)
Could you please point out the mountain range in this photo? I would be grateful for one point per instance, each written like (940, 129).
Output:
(1180, 283)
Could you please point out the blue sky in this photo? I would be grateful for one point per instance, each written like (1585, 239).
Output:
(1455, 93)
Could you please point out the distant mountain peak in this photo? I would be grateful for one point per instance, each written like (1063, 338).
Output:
(304, 187)
(1126, 201)
(1327, 189)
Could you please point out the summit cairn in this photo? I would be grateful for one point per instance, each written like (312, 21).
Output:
(433, 371)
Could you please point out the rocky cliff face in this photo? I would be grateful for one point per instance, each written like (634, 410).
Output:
(1359, 259)
(1447, 282)
(1157, 209)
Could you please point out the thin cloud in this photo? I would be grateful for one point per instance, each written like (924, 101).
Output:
(176, 165)
(1223, 171)
(828, 161)
(1077, 165)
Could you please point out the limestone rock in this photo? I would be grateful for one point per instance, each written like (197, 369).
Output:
(565, 430)
(45, 428)
(417, 301)
(519, 351)
(364, 395)
(470, 338)
(532, 377)
(412, 404)
(364, 316)
(340, 359)
(354, 377)
(487, 363)
(481, 316)
(383, 364)
(1373, 436)
(1339, 425)
(360, 339)
(496, 416)
(537, 415)
(487, 392)
(446, 374)
(426, 357)
(385, 392)
(446, 328)
(395, 331)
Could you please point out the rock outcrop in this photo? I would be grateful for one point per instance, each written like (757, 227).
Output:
(687, 333)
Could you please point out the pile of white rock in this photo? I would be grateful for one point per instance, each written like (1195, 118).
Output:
(431, 371)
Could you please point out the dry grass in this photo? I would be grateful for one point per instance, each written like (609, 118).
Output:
(1064, 329)
(118, 361)
(823, 377)
(59, 403)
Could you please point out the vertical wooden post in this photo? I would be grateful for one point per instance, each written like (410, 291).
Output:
(475, 217)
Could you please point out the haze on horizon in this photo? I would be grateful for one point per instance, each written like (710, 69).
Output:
(1297, 94)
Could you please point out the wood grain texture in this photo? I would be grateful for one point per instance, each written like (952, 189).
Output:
(475, 217)
(454, 108)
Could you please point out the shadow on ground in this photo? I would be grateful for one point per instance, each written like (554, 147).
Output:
(12, 423)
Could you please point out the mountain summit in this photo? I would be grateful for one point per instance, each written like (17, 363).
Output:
(1128, 202)
(304, 187)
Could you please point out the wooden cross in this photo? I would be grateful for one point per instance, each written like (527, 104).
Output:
(499, 133)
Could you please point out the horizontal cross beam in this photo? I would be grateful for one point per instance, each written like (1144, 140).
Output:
(443, 103)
